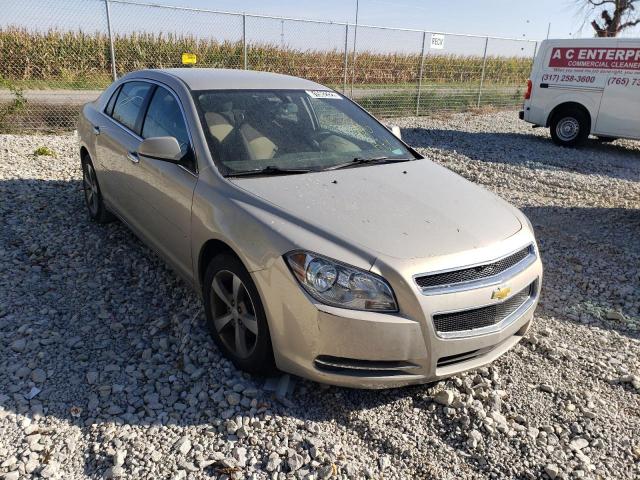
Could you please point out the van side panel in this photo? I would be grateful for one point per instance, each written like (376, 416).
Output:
(619, 114)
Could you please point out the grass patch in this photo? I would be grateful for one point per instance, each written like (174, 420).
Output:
(44, 151)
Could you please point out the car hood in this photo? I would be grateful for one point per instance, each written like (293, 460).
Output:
(412, 209)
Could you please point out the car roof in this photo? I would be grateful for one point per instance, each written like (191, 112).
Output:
(228, 79)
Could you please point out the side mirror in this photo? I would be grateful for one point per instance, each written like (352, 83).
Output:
(396, 131)
(161, 148)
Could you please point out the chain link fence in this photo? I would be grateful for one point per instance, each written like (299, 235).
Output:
(58, 55)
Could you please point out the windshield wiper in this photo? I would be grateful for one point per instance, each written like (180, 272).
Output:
(362, 161)
(269, 170)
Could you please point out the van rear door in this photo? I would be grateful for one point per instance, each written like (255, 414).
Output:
(619, 114)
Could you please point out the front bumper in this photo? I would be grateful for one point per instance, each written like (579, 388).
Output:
(375, 350)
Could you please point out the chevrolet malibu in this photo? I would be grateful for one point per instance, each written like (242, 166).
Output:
(320, 242)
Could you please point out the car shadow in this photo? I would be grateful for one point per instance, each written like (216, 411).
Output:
(533, 151)
(111, 326)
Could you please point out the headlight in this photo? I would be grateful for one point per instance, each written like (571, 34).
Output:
(340, 285)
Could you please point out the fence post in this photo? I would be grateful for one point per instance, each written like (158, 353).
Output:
(346, 58)
(112, 50)
(353, 59)
(424, 38)
(484, 67)
(244, 39)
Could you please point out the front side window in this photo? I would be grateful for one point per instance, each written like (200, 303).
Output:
(249, 130)
(129, 104)
(164, 119)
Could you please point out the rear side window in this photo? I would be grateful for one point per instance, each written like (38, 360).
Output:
(164, 119)
(129, 104)
(112, 101)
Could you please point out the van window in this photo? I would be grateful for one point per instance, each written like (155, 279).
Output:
(129, 104)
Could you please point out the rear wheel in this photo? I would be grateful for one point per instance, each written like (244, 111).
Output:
(570, 127)
(235, 315)
(92, 194)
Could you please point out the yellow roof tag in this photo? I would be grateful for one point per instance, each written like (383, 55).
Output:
(189, 59)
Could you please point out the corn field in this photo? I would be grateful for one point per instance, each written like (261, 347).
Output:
(82, 60)
(57, 55)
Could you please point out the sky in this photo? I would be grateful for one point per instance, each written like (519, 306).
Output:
(504, 18)
(520, 19)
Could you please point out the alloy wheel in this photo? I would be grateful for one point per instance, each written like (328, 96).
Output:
(234, 315)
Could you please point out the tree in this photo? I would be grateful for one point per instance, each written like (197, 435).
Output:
(617, 15)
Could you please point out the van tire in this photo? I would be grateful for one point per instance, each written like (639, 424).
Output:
(570, 127)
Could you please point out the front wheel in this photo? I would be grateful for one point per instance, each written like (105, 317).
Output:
(570, 128)
(235, 315)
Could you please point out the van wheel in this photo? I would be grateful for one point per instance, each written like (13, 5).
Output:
(570, 128)
(235, 315)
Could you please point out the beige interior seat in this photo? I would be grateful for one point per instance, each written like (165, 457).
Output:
(219, 126)
(334, 143)
(258, 146)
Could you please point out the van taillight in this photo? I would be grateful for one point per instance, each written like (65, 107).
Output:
(527, 94)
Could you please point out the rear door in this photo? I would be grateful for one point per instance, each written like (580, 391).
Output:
(117, 138)
(163, 190)
(619, 114)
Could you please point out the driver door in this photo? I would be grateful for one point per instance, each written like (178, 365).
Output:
(163, 190)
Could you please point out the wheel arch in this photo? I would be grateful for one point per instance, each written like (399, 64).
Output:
(84, 152)
(568, 106)
(208, 250)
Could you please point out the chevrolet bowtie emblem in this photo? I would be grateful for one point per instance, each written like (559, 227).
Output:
(501, 293)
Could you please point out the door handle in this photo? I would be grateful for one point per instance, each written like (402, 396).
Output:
(133, 157)
(96, 130)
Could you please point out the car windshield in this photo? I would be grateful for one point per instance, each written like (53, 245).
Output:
(291, 131)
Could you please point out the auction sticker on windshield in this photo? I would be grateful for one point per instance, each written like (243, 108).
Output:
(323, 94)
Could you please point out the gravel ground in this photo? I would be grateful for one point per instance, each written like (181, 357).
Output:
(106, 369)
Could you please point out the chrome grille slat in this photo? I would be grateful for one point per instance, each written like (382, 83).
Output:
(472, 274)
(483, 317)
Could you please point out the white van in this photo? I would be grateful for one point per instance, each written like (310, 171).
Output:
(586, 86)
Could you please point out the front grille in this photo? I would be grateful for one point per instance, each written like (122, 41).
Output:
(483, 316)
(472, 273)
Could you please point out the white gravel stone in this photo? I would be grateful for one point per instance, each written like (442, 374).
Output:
(123, 341)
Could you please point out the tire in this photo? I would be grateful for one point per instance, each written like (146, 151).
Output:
(237, 321)
(92, 193)
(570, 128)
(602, 139)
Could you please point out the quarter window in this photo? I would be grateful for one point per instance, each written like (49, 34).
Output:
(129, 104)
(112, 101)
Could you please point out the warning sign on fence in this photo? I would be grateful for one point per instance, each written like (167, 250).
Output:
(437, 41)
